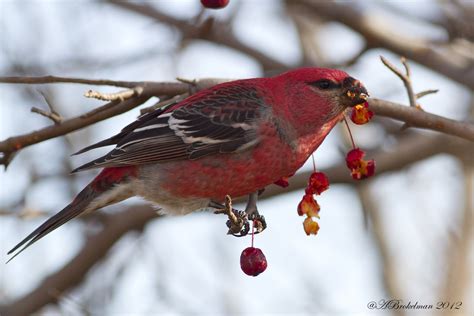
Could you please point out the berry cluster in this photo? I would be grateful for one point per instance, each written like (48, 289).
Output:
(318, 183)
(360, 168)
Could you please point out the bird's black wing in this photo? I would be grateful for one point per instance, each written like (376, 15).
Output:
(221, 120)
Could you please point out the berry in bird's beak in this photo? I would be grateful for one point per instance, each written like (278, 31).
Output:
(361, 114)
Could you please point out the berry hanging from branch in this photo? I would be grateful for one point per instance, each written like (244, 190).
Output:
(318, 182)
(252, 260)
(214, 4)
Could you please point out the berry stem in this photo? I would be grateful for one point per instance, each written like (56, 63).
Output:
(350, 133)
(253, 233)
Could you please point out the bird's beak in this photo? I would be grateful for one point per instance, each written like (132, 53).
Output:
(354, 92)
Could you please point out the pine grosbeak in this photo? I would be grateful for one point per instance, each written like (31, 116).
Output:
(233, 139)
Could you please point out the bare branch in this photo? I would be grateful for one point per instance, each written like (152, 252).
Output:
(117, 96)
(378, 32)
(411, 150)
(404, 77)
(53, 116)
(72, 274)
(55, 79)
(421, 119)
(421, 94)
(412, 116)
(97, 246)
(13, 144)
(10, 146)
(219, 32)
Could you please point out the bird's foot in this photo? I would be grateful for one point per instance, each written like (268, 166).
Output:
(259, 222)
(237, 223)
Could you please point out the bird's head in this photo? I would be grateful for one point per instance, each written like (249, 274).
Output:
(316, 96)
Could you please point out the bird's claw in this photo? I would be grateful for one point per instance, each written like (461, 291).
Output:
(238, 222)
(259, 222)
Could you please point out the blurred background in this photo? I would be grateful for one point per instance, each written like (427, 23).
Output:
(405, 234)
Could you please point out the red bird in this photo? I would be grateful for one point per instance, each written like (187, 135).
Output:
(233, 139)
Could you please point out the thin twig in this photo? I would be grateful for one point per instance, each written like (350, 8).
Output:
(56, 79)
(117, 96)
(421, 94)
(55, 117)
(13, 144)
(216, 34)
(404, 77)
(379, 32)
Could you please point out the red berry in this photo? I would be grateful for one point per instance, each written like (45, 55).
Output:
(360, 168)
(354, 157)
(310, 226)
(215, 4)
(308, 206)
(361, 114)
(366, 169)
(318, 183)
(253, 261)
(370, 168)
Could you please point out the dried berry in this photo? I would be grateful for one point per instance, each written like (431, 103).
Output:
(215, 4)
(361, 114)
(354, 157)
(318, 183)
(308, 206)
(253, 261)
(310, 226)
(360, 168)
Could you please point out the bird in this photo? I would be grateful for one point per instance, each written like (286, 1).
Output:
(232, 139)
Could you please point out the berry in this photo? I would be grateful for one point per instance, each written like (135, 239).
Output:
(318, 183)
(215, 4)
(310, 227)
(361, 114)
(308, 206)
(360, 168)
(354, 157)
(253, 261)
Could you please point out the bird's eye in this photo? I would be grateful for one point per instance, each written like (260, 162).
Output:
(324, 84)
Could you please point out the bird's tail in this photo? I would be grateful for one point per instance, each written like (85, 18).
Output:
(112, 185)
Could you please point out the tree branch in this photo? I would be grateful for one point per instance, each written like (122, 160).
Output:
(56, 79)
(409, 151)
(405, 77)
(96, 247)
(10, 146)
(410, 115)
(421, 119)
(72, 274)
(218, 32)
(379, 33)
